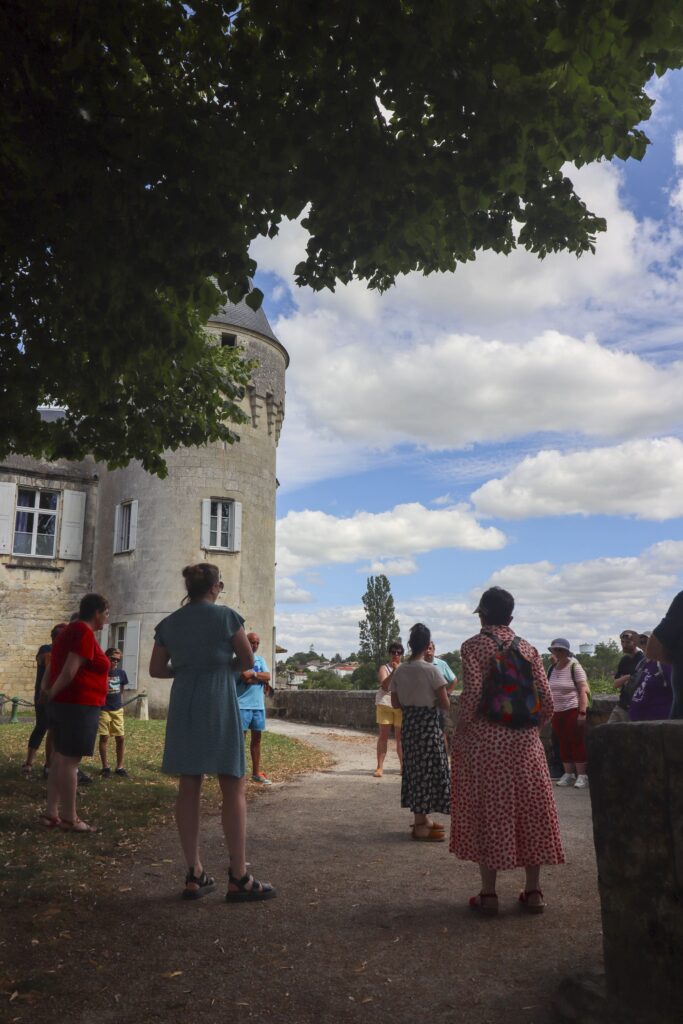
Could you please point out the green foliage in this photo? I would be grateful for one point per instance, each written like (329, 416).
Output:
(364, 677)
(380, 626)
(325, 680)
(302, 658)
(452, 658)
(146, 144)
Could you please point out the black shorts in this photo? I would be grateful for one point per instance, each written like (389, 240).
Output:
(74, 728)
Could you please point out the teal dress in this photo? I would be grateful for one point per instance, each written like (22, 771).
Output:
(204, 728)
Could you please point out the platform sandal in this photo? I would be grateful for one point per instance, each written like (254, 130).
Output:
(205, 884)
(532, 908)
(259, 890)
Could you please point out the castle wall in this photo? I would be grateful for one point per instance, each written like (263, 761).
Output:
(36, 593)
(145, 584)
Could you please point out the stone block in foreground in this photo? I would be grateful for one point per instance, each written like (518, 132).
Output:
(636, 781)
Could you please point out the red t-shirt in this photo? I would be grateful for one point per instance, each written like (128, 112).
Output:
(89, 685)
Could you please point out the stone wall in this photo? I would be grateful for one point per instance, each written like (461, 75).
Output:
(355, 709)
(36, 593)
(637, 798)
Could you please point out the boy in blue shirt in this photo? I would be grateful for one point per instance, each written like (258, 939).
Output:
(111, 715)
(251, 688)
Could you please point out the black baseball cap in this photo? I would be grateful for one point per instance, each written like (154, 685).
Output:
(496, 601)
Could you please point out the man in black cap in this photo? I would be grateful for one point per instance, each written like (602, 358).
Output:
(624, 675)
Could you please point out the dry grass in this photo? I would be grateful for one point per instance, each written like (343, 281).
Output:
(40, 864)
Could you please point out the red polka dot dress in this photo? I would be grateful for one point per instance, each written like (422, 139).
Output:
(503, 812)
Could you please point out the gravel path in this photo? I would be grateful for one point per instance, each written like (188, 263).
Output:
(368, 925)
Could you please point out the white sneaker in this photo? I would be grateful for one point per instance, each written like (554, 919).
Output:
(581, 782)
(568, 779)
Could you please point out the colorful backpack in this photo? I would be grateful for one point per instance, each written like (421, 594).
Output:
(509, 694)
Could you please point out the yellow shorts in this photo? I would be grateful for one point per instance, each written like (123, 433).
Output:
(111, 723)
(388, 716)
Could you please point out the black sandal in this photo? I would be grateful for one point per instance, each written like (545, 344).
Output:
(205, 883)
(258, 891)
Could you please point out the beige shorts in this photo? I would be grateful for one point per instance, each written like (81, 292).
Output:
(388, 716)
(111, 723)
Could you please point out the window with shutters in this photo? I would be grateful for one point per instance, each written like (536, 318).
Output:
(221, 524)
(125, 527)
(35, 523)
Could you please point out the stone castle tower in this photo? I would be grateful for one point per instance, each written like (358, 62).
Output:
(128, 534)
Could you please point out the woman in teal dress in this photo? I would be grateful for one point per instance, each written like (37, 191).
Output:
(203, 646)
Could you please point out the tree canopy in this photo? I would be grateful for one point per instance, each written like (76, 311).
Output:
(147, 144)
(380, 625)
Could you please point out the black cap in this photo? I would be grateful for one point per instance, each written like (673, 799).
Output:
(496, 602)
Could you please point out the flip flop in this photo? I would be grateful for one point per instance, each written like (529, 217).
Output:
(47, 821)
(433, 836)
(77, 825)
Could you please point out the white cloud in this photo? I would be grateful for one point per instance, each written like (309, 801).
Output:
(454, 390)
(638, 478)
(288, 591)
(312, 538)
(391, 567)
(678, 149)
(443, 499)
(586, 601)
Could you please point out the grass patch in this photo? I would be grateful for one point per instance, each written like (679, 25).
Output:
(37, 863)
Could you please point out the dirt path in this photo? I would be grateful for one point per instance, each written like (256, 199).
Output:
(368, 925)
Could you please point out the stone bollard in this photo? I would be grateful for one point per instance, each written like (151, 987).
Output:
(142, 708)
(636, 784)
(14, 718)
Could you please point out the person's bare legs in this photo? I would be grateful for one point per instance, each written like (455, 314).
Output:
(399, 745)
(488, 879)
(255, 751)
(382, 745)
(61, 787)
(48, 748)
(581, 767)
(187, 820)
(234, 820)
(104, 740)
(119, 751)
(532, 885)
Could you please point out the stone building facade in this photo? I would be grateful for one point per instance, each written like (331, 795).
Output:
(67, 528)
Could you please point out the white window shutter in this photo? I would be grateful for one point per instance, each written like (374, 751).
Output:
(206, 522)
(104, 637)
(8, 497)
(131, 651)
(236, 526)
(73, 520)
(117, 523)
(133, 532)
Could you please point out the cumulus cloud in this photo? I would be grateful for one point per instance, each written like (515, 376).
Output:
(391, 567)
(587, 601)
(312, 538)
(454, 390)
(638, 478)
(288, 591)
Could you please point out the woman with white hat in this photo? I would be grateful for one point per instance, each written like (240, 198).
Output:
(569, 687)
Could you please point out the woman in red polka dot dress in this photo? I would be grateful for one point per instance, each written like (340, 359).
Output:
(503, 811)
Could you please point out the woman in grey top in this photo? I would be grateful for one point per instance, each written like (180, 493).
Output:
(420, 690)
(202, 641)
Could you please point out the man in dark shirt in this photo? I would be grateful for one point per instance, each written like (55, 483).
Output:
(111, 715)
(628, 663)
(36, 738)
(666, 644)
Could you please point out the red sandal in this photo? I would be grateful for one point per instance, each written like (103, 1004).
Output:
(532, 908)
(489, 909)
(47, 821)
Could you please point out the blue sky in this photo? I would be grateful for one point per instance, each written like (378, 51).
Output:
(517, 422)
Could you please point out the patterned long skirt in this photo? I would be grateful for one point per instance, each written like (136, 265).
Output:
(426, 783)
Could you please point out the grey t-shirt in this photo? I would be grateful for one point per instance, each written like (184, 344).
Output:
(416, 684)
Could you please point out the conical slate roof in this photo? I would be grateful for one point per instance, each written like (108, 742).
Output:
(241, 315)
